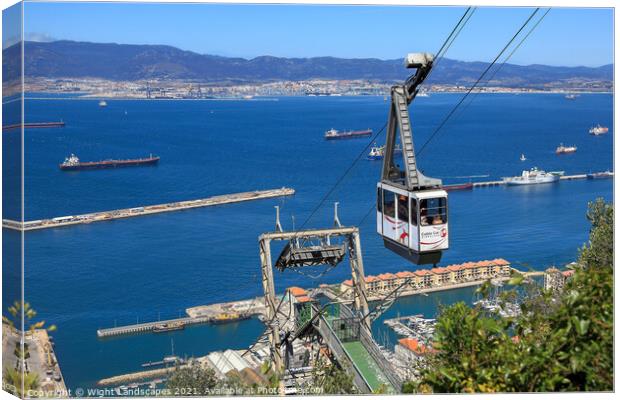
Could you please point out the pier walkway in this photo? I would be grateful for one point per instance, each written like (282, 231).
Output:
(146, 210)
(148, 326)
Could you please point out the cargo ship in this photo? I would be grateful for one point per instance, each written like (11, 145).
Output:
(460, 186)
(336, 134)
(73, 163)
(600, 175)
(598, 130)
(561, 149)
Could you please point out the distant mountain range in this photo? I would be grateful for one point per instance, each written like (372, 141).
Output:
(69, 59)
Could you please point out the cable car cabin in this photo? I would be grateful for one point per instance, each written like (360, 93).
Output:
(413, 224)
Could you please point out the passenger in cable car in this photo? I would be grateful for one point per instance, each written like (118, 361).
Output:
(388, 204)
(403, 211)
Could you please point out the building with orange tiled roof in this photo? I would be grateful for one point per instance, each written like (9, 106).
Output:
(297, 291)
(346, 286)
(457, 273)
(436, 277)
(426, 277)
(303, 299)
(373, 283)
(401, 278)
(555, 279)
(410, 350)
(441, 275)
(388, 281)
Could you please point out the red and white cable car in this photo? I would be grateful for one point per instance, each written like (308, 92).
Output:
(412, 209)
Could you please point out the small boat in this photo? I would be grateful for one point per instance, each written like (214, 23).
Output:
(600, 175)
(423, 94)
(461, 186)
(598, 130)
(103, 103)
(169, 326)
(336, 134)
(376, 152)
(561, 149)
(533, 177)
(571, 96)
(522, 158)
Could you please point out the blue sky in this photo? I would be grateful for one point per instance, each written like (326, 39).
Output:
(567, 36)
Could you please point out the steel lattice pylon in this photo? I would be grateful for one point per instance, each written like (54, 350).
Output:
(352, 244)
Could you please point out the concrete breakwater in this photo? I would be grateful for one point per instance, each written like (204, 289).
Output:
(146, 210)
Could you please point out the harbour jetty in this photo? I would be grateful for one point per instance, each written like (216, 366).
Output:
(562, 178)
(148, 326)
(213, 313)
(146, 210)
(27, 125)
(136, 376)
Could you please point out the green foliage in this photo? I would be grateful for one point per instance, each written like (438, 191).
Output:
(29, 314)
(559, 343)
(193, 380)
(14, 381)
(328, 378)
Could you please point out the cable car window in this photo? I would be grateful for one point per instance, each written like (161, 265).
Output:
(433, 211)
(414, 212)
(389, 198)
(403, 209)
(379, 200)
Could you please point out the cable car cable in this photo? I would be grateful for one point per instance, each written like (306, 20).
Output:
(445, 120)
(504, 62)
(444, 48)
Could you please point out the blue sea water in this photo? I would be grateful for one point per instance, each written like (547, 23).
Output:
(90, 276)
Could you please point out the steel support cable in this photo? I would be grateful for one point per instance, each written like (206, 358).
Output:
(448, 42)
(445, 120)
(497, 70)
(505, 61)
(444, 47)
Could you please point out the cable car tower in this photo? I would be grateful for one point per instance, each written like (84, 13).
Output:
(411, 208)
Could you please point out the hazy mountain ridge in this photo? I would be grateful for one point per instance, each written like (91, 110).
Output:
(120, 62)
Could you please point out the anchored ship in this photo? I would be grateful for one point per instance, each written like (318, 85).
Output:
(598, 130)
(378, 152)
(600, 175)
(561, 149)
(336, 134)
(459, 186)
(73, 163)
(533, 177)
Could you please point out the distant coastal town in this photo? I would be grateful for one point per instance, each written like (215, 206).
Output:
(184, 89)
